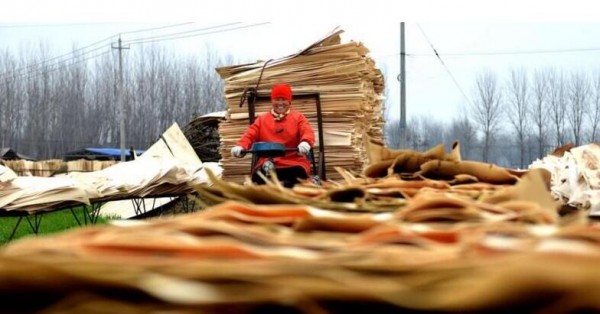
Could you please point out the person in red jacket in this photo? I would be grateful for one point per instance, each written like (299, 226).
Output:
(284, 125)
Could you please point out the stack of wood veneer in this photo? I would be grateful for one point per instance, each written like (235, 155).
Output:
(349, 87)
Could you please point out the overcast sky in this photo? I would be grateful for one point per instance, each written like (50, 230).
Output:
(470, 36)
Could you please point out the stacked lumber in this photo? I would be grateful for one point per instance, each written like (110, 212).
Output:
(349, 86)
(44, 168)
(48, 168)
(84, 165)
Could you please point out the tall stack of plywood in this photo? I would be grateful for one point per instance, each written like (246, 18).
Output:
(350, 89)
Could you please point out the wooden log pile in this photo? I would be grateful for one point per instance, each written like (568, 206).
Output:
(203, 134)
(349, 85)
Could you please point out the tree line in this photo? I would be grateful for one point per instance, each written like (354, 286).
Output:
(50, 108)
(514, 121)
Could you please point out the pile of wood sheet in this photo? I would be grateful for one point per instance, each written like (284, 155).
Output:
(6, 175)
(350, 88)
(417, 238)
(423, 200)
(32, 194)
(169, 167)
(48, 168)
(575, 175)
(139, 178)
(203, 134)
(44, 168)
(243, 258)
(84, 165)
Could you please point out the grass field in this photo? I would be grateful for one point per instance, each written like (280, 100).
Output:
(57, 221)
(48, 223)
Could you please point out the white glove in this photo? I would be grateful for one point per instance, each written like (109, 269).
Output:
(237, 151)
(303, 148)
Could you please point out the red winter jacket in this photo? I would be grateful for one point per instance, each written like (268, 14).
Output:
(290, 131)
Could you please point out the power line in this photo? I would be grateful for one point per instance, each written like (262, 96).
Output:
(490, 53)
(48, 25)
(59, 65)
(179, 33)
(444, 65)
(156, 28)
(72, 55)
(175, 35)
(37, 67)
(33, 71)
(522, 52)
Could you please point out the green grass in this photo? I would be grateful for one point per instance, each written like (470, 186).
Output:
(64, 219)
(48, 223)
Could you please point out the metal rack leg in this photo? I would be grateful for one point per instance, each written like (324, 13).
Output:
(16, 227)
(35, 225)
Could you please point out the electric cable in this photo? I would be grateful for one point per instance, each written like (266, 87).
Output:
(517, 52)
(57, 66)
(169, 37)
(73, 55)
(48, 25)
(444, 65)
(131, 41)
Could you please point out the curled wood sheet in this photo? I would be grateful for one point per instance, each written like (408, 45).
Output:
(246, 256)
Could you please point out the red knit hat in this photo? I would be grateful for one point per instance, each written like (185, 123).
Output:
(281, 90)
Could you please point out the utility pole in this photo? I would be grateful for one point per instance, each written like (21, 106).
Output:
(402, 79)
(120, 101)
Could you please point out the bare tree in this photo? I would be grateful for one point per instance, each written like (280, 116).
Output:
(391, 127)
(392, 133)
(538, 110)
(424, 132)
(102, 108)
(48, 108)
(517, 109)
(142, 81)
(212, 88)
(486, 111)
(38, 102)
(578, 97)
(557, 101)
(414, 134)
(594, 111)
(506, 151)
(462, 130)
(163, 91)
(7, 95)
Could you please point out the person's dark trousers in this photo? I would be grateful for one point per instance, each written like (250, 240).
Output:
(288, 176)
